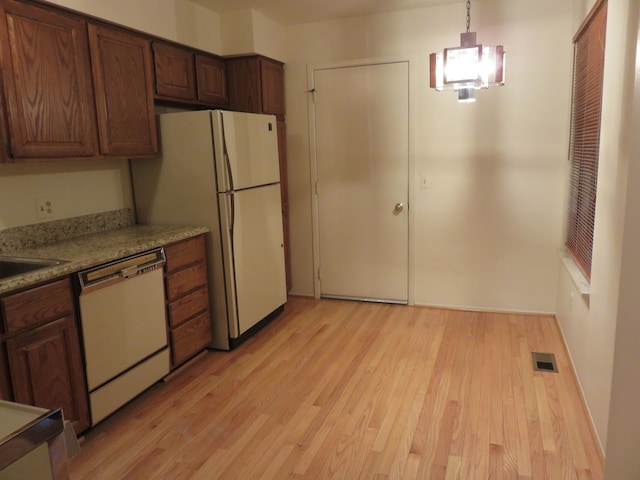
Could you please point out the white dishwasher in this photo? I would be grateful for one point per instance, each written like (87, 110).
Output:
(124, 333)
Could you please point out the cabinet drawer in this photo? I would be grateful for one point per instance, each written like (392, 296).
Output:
(188, 306)
(190, 338)
(37, 305)
(184, 253)
(185, 281)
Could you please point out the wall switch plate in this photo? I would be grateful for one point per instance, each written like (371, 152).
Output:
(45, 208)
(424, 183)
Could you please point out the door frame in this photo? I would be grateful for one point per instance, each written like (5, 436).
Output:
(414, 81)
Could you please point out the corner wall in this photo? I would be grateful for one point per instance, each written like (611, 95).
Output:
(248, 31)
(488, 229)
(589, 325)
(622, 459)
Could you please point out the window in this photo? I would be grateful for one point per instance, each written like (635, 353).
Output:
(589, 48)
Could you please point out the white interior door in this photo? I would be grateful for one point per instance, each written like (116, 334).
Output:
(362, 161)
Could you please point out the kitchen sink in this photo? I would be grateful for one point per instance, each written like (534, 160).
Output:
(12, 266)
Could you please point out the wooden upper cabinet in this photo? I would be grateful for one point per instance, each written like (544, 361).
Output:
(123, 76)
(185, 76)
(46, 73)
(256, 84)
(212, 80)
(174, 72)
(272, 77)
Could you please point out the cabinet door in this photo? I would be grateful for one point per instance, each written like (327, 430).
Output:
(190, 338)
(272, 79)
(47, 83)
(243, 83)
(46, 370)
(5, 378)
(256, 84)
(212, 80)
(123, 78)
(174, 71)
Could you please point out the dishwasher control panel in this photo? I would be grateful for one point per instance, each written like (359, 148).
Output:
(121, 269)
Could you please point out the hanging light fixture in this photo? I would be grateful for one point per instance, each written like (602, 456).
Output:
(469, 67)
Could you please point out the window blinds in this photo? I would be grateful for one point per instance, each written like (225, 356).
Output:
(589, 50)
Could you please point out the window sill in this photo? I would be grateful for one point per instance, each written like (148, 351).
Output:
(579, 280)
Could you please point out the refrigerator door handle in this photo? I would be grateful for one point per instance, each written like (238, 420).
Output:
(229, 207)
(233, 216)
(225, 152)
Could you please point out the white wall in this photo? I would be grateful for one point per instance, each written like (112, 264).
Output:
(178, 20)
(248, 31)
(74, 188)
(488, 230)
(589, 323)
(623, 436)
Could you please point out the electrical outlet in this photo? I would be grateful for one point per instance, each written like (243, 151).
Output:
(45, 208)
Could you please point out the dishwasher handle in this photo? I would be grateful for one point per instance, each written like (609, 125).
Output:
(129, 272)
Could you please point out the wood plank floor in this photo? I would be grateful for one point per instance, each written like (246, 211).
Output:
(338, 389)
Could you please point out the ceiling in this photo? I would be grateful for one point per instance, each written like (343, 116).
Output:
(291, 12)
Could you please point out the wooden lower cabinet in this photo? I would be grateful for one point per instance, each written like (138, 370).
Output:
(45, 361)
(5, 378)
(190, 337)
(188, 312)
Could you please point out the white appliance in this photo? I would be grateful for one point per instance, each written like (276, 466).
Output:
(124, 330)
(220, 169)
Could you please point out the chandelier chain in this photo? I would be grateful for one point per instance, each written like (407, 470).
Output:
(468, 15)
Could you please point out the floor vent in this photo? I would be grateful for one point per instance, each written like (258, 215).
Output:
(544, 362)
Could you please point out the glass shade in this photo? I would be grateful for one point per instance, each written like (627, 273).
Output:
(462, 64)
(467, 67)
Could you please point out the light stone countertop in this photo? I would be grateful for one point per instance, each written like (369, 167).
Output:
(81, 252)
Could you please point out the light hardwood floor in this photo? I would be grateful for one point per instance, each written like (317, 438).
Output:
(338, 389)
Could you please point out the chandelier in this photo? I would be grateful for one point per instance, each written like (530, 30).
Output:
(469, 67)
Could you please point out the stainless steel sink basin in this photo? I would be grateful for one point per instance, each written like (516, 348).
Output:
(12, 266)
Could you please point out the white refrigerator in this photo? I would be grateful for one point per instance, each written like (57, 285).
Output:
(220, 169)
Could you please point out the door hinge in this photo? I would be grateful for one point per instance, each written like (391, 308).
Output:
(313, 94)
(318, 273)
(317, 188)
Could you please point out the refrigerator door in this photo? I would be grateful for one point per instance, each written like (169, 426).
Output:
(246, 150)
(254, 255)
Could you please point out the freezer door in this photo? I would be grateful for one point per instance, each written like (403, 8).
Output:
(246, 150)
(254, 260)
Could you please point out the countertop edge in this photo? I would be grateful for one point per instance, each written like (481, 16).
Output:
(79, 253)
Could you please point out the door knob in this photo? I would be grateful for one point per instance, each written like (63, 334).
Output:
(399, 207)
